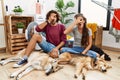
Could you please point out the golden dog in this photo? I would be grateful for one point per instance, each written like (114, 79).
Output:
(36, 61)
(83, 63)
(101, 64)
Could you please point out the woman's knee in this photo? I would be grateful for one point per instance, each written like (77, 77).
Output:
(63, 50)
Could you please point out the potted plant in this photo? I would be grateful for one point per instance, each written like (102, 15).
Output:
(20, 27)
(62, 9)
(18, 10)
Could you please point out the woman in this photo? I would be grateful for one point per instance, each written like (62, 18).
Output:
(82, 37)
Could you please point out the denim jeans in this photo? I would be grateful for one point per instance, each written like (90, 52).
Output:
(46, 46)
(78, 50)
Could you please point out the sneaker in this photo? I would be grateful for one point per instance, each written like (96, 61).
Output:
(20, 63)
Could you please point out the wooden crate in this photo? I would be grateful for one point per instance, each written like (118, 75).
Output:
(98, 37)
(15, 41)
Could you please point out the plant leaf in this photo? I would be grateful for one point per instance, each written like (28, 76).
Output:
(61, 8)
(68, 21)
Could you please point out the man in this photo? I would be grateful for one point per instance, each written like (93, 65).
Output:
(55, 37)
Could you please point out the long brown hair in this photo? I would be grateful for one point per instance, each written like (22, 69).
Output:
(85, 35)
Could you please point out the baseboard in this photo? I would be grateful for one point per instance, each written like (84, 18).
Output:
(111, 48)
(3, 49)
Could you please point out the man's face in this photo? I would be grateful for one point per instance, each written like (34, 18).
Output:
(53, 18)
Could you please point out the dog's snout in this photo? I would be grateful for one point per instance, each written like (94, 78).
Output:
(49, 70)
(104, 70)
(11, 76)
(47, 73)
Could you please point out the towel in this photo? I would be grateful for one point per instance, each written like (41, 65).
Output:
(115, 23)
(93, 27)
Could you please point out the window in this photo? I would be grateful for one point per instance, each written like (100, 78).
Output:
(95, 13)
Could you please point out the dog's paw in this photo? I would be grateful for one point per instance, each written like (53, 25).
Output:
(2, 63)
(109, 66)
(13, 75)
(18, 77)
(75, 76)
(119, 57)
(3, 59)
(83, 78)
(90, 68)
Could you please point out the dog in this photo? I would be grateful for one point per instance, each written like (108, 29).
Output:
(36, 61)
(83, 63)
(100, 52)
(101, 64)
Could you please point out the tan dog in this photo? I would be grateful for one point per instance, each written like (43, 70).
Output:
(82, 63)
(101, 64)
(36, 61)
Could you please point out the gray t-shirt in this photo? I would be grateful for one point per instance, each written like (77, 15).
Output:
(78, 36)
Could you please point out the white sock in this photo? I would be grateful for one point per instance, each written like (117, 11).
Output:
(25, 57)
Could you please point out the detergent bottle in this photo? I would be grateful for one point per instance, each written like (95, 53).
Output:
(38, 7)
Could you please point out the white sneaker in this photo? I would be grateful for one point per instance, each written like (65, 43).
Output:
(20, 63)
(16, 65)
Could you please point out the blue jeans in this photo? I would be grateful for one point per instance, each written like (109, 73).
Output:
(78, 50)
(46, 46)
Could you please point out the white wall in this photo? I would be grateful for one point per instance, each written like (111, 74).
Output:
(109, 40)
(29, 5)
(93, 12)
(29, 9)
(2, 37)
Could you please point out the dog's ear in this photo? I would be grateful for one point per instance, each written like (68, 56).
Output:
(109, 66)
(102, 57)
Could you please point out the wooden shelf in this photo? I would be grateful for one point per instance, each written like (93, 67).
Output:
(15, 41)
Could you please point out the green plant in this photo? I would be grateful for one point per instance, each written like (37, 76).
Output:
(17, 9)
(20, 25)
(62, 10)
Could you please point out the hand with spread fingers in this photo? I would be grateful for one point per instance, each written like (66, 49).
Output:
(54, 53)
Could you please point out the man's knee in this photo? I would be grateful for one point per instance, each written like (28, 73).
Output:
(37, 37)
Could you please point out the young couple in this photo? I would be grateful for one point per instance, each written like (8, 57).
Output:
(56, 37)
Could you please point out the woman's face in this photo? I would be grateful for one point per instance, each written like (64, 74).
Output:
(81, 21)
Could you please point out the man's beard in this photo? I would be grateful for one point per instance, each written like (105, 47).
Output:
(53, 22)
